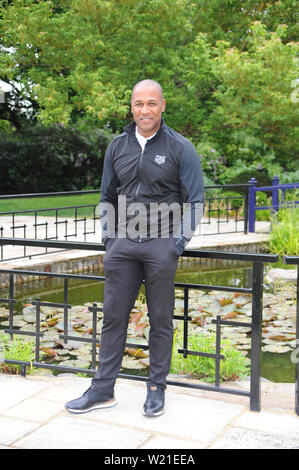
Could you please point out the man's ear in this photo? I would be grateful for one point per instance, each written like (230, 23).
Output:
(163, 105)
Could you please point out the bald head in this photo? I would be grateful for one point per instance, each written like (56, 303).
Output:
(147, 83)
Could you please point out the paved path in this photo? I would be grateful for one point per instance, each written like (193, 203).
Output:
(32, 416)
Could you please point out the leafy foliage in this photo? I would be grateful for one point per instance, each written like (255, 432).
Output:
(228, 70)
(17, 349)
(51, 159)
(284, 236)
(234, 365)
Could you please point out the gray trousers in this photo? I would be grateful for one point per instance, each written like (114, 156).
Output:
(126, 264)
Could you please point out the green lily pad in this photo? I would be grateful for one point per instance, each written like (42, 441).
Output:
(30, 317)
(274, 348)
(80, 364)
(4, 312)
(131, 363)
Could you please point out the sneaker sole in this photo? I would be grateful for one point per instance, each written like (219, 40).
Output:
(154, 415)
(94, 407)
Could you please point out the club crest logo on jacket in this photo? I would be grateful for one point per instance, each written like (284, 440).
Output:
(160, 159)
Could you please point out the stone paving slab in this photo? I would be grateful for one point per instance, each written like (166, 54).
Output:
(33, 416)
(280, 424)
(185, 416)
(240, 438)
(67, 432)
(12, 393)
(12, 429)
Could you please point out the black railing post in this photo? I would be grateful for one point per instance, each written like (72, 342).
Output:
(246, 206)
(65, 310)
(186, 308)
(37, 338)
(256, 331)
(218, 349)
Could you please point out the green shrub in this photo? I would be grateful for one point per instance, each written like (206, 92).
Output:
(16, 349)
(50, 159)
(284, 235)
(234, 365)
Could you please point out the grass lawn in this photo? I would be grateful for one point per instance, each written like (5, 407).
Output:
(28, 204)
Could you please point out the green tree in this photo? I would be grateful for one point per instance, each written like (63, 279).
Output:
(83, 57)
(256, 115)
(227, 68)
(231, 20)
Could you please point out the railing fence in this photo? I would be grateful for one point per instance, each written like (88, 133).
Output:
(223, 214)
(279, 199)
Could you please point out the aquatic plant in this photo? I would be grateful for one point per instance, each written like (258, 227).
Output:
(15, 348)
(284, 235)
(234, 365)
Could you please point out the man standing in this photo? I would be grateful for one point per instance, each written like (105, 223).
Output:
(150, 171)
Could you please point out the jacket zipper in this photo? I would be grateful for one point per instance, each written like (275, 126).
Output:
(139, 176)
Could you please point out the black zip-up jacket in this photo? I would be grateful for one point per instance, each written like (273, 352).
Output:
(167, 171)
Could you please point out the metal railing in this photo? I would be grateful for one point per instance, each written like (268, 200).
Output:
(277, 201)
(255, 324)
(48, 223)
(223, 214)
(230, 210)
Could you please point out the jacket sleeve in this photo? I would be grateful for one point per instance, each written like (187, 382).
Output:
(192, 190)
(108, 201)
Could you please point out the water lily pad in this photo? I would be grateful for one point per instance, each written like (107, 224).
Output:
(232, 314)
(135, 317)
(71, 344)
(131, 363)
(50, 322)
(30, 318)
(17, 321)
(136, 340)
(225, 300)
(45, 343)
(136, 352)
(29, 309)
(60, 326)
(245, 346)
(145, 362)
(49, 352)
(139, 329)
(84, 351)
(47, 310)
(80, 364)
(62, 352)
(274, 348)
(4, 312)
(281, 337)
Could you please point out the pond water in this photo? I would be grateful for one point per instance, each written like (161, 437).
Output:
(275, 367)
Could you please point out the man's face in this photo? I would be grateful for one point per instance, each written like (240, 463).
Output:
(147, 106)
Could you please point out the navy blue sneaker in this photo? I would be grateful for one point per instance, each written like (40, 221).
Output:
(90, 400)
(154, 404)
